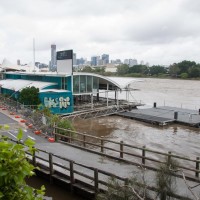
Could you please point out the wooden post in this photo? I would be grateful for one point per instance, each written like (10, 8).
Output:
(51, 167)
(126, 183)
(84, 138)
(102, 145)
(163, 195)
(34, 159)
(54, 132)
(96, 181)
(169, 158)
(71, 166)
(197, 166)
(175, 115)
(70, 137)
(143, 155)
(121, 149)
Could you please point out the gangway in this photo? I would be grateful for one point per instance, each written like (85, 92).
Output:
(101, 111)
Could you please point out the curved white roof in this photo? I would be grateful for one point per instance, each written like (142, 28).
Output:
(19, 84)
(120, 82)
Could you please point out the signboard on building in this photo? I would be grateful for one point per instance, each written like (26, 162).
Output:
(65, 61)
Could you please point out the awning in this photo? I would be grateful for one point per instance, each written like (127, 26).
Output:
(19, 84)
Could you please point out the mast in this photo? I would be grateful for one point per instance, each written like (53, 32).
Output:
(34, 53)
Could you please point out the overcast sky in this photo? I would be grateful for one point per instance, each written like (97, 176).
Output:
(155, 31)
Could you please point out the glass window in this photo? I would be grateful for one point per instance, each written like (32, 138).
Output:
(89, 84)
(82, 84)
(95, 83)
(76, 84)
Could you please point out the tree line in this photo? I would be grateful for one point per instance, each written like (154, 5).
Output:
(185, 69)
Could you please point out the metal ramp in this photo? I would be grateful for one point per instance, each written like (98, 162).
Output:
(97, 112)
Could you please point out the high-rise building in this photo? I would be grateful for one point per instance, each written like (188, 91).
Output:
(105, 59)
(74, 59)
(53, 57)
(94, 60)
(18, 62)
(130, 62)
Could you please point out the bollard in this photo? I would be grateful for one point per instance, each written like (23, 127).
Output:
(154, 104)
(199, 111)
(175, 115)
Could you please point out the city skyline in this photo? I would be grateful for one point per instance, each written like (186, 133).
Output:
(158, 32)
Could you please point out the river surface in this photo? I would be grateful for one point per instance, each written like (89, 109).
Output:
(176, 138)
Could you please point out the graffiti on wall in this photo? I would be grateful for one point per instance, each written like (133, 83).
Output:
(60, 102)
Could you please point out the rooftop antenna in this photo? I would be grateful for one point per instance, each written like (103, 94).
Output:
(34, 53)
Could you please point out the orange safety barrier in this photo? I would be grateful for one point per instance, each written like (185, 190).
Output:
(50, 139)
(30, 125)
(37, 132)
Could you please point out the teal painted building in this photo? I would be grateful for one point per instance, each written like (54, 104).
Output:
(58, 91)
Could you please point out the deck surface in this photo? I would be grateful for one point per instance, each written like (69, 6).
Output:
(165, 114)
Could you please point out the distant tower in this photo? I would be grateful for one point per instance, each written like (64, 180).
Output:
(18, 62)
(74, 59)
(105, 58)
(53, 57)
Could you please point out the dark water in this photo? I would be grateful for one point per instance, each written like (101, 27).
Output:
(57, 193)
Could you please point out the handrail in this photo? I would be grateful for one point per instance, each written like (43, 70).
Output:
(121, 152)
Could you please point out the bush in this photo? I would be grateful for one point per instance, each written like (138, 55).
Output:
(65, 124)
(184, 75)
(15, 168)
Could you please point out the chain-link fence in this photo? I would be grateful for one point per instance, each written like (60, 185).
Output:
(30, 113)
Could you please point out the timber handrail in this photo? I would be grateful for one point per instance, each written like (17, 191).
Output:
(121, 152)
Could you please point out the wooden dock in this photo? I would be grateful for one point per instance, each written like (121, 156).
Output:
(164, 115)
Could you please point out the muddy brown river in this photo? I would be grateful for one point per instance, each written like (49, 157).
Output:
(176, 138)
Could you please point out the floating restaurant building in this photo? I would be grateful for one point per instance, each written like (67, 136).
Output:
(64, 90)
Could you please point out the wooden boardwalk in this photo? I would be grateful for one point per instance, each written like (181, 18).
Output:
(164, 115)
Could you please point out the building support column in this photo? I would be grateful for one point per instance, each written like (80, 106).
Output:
(92, 103)
(117, 99)
(107, 93)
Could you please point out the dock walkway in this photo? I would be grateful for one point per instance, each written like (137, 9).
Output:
(164, 115)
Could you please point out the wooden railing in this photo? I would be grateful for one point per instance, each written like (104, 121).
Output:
(75, 173)
(130, 153)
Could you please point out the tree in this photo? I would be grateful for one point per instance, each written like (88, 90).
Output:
(143, 69)
(194, 72)
(185, 65)
(122, 69)
(29, 96)
(157, 69)
(174, 70)
(87, 69)
(14, 168)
